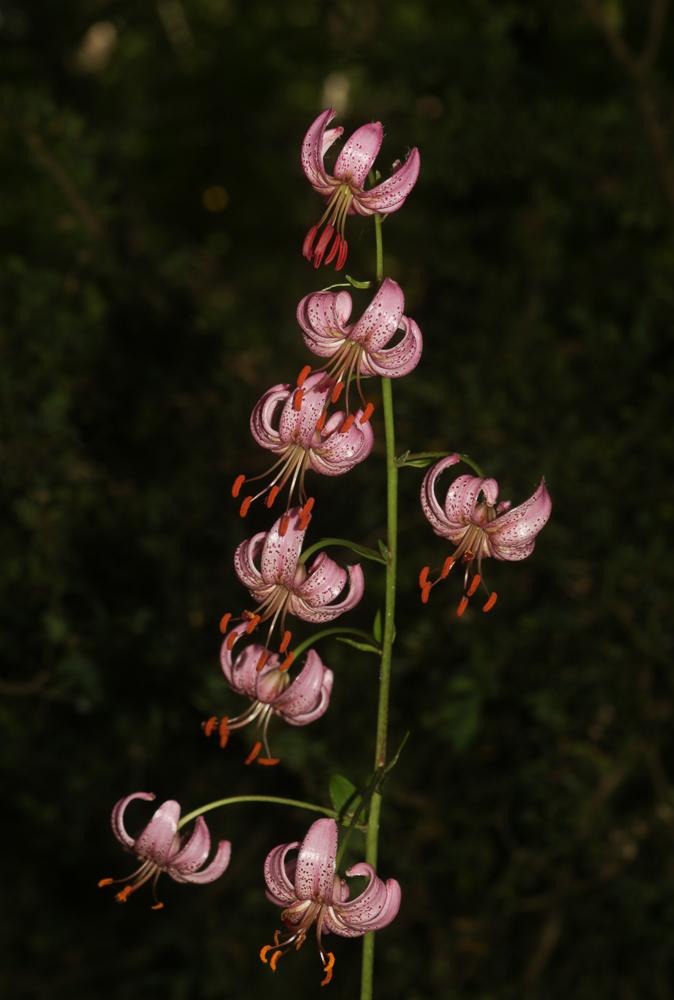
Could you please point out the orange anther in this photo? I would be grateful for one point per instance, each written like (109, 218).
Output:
(337, 392)
(223, 732)
(491, 601)
(245, 506)
(446, 567)
(348, 424)
(122, 896)
(265, 951)
(308, 507)
(474, 584)
(273, 961)
(303, 375)
(327, 969)
(209, 726)
(423, 576)
(273, 493)
(238, 483)
(320, 423)
(367, 413)
(287, 636)
(253, 753)
(283, 526)
(277, 938)
(264, 656)
(287, 662)
(231, 639)
(105, 881)
(157, 906)
(426, 593)
(253, 624)
(224, 622)
(268, 761)
(463, 604)
(298, 396)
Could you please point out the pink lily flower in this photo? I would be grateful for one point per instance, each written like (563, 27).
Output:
(479, 526)
(293, 424)
(310, 891)
(343, 188)
(159, 848)
(298, 702)
(362, 348)
(269, 565)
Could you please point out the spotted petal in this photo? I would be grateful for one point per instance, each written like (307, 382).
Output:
(194, 851)
(212, 871)
(157, 841)
(359, 153)
(315, 871)
(280, 553)
(264, 418)
(390, 195)
(118, 827)
(325, 582)
(429, 501)
(308, 696)
(245, 559)
(339, 451)
(461, 500)
(317, 141)
(242, 674)
(280, 889)
(512, 535)
(374, 908)
(323, 317)
(381, 319)
(398, 360)
(299, 426)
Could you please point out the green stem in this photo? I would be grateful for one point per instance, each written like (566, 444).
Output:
(344, 543)
(275, 799)
(338, 630)
(372, 837)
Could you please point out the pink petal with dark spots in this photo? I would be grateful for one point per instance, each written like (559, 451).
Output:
(308, 695)
(158, 839)
(280, 553)
(381, 319)
(512, 535)
(323, 317)
(212, 871)
(358, 154)
(430, 505)
(390, 195)
(398, 360)
(317, 141)
(315, 871)
(280, 890)
(118, 827)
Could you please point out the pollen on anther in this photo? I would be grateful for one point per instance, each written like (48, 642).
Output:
(287, 662)
(463, 604)
(320, 423)
(287, 636)
(264, 656)
(283, 526)
(264, 951)
(224, 622)
(223, 732)
(209, 725)
(268, 761)
(348, 424)
(337, 392)
(298, 396)
(474, 584)
(231, 639)
(253, 753)
(253, 624)
(273, 961)
(273, 493)
(423, 576)
(327, 969)
(238, 483)
(105, 881)
(245, 506)
(490, 602)
(446, 567)
(157, 906)
(303, 375)
(426, 593)
(367, 413)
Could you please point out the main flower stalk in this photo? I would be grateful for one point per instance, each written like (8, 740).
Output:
(388, 635)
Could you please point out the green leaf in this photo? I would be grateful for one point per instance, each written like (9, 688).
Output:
(343, 793)
(383, 548)
(364, 647)
(376, 627)
(357, 284)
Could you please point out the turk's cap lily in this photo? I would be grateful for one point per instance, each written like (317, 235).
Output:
(344, 188)
(368, 346)
(160, 848)
(481, 526)
(309, 890)
(269, 565)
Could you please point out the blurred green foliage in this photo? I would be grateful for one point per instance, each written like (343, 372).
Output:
(153, 214)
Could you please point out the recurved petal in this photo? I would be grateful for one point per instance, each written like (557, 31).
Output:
(373, 909)
(462, 497)
(212, 871)
(328, 612)
(315, 871)
(322, 317)
(245, 559)
(158, 840)
(359, 153)
(382, 317)
(398, 360)
(390, 195)
(280, 889)
(314, 147)
(264, 419)
(242, 674)
(280, 553)
(307, 692)
(325, 581)
(511, 535)
(429, 501)
(194, 851)
(339, 452)
(299, 426)
(117, 819)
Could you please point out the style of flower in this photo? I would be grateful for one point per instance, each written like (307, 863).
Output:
(269, 565)
(480, 527)
(362, 348)
(309, 890)
(159, 848)
(293, 423)
(344, 188)
(298, 702)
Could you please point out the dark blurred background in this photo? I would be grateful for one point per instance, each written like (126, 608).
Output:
(153, 211)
